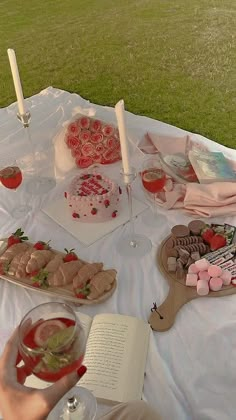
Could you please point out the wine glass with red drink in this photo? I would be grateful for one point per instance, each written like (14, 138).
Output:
(153, 180)
(52, 344)
(12, 195)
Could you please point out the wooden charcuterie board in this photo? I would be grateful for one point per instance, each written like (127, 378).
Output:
(163, 317)
(65, 292)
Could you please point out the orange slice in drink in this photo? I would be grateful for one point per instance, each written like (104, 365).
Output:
(154, 175)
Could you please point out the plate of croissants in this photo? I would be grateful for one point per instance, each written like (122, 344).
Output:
(37, 266)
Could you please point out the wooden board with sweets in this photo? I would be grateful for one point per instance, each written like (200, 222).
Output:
(163, 317)
(38, 281)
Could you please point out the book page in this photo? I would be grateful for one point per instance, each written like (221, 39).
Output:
(115, 357)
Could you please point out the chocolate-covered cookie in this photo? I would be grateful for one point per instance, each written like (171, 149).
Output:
(180, 231)
(196, 226)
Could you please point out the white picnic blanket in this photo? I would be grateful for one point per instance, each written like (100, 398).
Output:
(191, 369)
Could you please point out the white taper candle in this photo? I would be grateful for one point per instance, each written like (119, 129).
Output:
(119, 109)
(16, 80)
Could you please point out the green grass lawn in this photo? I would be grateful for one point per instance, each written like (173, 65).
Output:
(173, 60)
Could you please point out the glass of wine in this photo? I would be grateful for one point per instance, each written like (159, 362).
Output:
(153, 180)
(13, 197)
(52, 344)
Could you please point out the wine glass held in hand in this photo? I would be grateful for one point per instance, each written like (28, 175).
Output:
(52, 345)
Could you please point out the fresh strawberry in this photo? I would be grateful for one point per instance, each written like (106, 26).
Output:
(94, 211)
(34, 273)
(16, 238)
(217, 241)
(83, 292)
(36, 284)
(114, 214)
(4, 268)
(80, 295)
(40, 245)
(11, 177)
(40, 279)
(106, 203)
(207, 234)
(70, 255)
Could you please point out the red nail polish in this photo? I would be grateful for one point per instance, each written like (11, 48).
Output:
(81, 371)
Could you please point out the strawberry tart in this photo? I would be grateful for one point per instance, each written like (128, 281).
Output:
(92, 197)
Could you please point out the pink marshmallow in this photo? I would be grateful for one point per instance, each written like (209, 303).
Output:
(215, 284)
(191, 280)
(202, 264)
(202, 287)
(193, 269)
(214, 271)
(226, 276)
(203, 275)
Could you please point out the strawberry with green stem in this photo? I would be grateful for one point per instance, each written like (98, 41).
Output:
(70, 255)
(39, 279)
(4, 267)
(16, 238)
(41, 245)
(82, 292)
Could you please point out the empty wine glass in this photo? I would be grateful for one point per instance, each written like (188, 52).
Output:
(132, 244)
(52, 344)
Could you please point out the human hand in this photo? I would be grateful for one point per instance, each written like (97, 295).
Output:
(20, 402)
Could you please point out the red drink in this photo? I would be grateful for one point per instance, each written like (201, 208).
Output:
(52, 349)
(11, 177)
(153, 179)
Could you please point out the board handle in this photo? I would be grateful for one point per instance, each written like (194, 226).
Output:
(163, 317)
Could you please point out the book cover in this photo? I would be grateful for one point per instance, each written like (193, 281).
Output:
(179, 167)
(211, 167)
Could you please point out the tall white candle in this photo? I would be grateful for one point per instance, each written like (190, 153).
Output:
(16, 80)
(119, 109)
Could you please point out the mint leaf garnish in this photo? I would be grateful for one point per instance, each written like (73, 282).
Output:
(59, 339)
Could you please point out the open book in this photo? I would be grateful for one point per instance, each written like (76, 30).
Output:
(115, 357)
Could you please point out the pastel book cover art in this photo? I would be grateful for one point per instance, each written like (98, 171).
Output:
(93, 197)
(211, 167)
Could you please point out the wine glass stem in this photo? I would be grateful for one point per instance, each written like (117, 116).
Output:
(133, 243)
(154, 204)
(32, 149)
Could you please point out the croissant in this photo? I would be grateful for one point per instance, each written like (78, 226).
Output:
(53, 265)
(38, 260)
(65, 273)
(21, 269)
(101, 283)
(86, 273)
(11, 252)
(15, 263)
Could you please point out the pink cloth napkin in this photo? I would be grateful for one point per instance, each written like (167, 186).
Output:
(210, 200)
(205, 200)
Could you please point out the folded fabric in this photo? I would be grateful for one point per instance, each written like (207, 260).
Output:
(205, 200)
(210, 200)
(154, 143)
